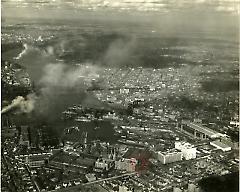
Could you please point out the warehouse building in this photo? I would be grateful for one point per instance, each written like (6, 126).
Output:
(220, 145)
(169, 156)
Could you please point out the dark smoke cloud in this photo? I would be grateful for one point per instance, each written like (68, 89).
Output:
(59, 85)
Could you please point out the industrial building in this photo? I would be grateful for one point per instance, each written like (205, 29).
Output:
(170, 156)
(35, 159)
(188, 150)
(220, 145)
(198, 130)
(63, 160)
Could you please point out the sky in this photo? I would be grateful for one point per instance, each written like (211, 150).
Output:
(174, 15)
(24, 8)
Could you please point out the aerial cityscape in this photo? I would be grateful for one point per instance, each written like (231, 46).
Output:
(120, 96)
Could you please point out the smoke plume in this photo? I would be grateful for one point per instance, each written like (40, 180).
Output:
(62, 86)
(35, 59)
(119, 52)
(25, 105)
(23, 52)
(59, 85)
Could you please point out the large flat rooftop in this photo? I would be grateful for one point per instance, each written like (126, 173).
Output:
(202, 129)
(220, 145)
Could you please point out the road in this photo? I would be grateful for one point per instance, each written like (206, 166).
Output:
(32, 178)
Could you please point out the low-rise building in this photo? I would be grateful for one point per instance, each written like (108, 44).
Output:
(90, 177)
(191, 187)
(103, 164)
(176, 189)
(128, 165)
(35, 159)
(9, 132)
(124, 189)
(220, 145)
(169, 156)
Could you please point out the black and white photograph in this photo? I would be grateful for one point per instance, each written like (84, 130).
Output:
(120, 95)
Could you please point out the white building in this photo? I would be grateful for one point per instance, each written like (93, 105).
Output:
(188, 150)
(124, 189)
(169, 156)
(104, 164)
(235, 123)
(90, 177)
(220, 145)
(176, 189)
(124, 91)
(191, 187)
